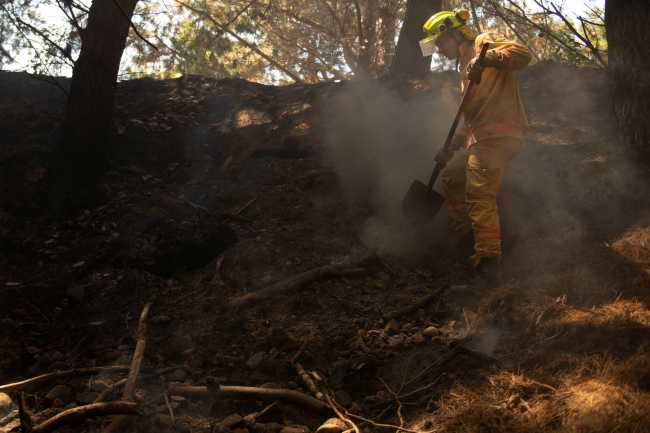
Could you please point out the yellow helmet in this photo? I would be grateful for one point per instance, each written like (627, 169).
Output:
(441, 23)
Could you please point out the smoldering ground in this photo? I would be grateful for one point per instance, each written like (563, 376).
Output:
(379, 141)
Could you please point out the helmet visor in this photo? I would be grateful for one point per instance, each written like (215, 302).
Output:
(428, 46)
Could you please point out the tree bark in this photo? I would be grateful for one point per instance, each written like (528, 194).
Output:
(84, 146)
(629, 71)
(408, 60)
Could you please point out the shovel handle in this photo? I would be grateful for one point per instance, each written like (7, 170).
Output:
(463, 103)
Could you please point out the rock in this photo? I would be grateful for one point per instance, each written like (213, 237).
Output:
(86, 397)
(438, 340)
(513, 401)
(295, 428)
(342, 398)
(63, 393)
(268, 279)
(75, 294)
(407, 326)
(419, 338)
(227, 423)
(180, 375)
(419, 315)
(182, 426)
(161, 419)
(163, 407)
(355, 408)
(408, 341)
(392, 327)
(292, 385)
(6, 405)
(431, 331)
(160, 321)
(396, 342)
(332, 425)
(255, 360)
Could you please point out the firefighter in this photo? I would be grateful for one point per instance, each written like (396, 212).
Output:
(494, 125)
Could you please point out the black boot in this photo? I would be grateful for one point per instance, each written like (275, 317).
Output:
(466, 246)
(489, 268)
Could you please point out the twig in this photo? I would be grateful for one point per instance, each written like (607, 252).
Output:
(379, 425)
(299, 352)
(30, 303)
(133, 25)
(254, 416)
(195, 206)
(399, 403)
(169, 408)
(79, 414)
(424, 388)
(309, 383)
(291, 284)
(348, 421)
(129, 387)
(251, 393)
(61, 375)
(422, 302)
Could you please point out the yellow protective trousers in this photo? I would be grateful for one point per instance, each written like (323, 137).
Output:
(471, 181)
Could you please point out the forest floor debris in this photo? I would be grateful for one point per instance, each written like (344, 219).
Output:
(229, 190)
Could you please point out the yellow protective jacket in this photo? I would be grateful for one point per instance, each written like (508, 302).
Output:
(495, 108)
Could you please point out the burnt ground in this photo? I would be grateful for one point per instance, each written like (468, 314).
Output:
(569, 329)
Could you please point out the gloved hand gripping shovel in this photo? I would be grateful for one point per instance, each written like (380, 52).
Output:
(421, 203)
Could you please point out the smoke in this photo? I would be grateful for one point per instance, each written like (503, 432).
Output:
(379, 141)
(566, 195)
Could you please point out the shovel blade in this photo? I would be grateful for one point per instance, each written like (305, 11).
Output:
(419, 205)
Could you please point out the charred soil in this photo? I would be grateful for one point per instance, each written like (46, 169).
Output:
(222, 188)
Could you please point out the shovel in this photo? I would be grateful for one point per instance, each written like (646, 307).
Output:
(421, 203)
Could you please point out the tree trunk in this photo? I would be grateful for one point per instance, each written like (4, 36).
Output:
(408, 60)
(84, 147)
(629, 71)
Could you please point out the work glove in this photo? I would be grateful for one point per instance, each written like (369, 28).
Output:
(444, 157)
(474, 71)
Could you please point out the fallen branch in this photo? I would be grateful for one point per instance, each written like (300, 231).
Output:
(292, 284)
(120, 383)
(129, 386)
(254, 416)
(309, 383)
(348, 421)
(61, 375)
(251, 393)
(77, 414)
(299, 352)
(423, 302)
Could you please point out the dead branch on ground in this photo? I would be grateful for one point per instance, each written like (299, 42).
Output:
(61, 375)
(293, 283)
(299, 352)
(422, 302)
(129, 386)
(346, 420)
(309, 383)
(251, 393)
(76, 414)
